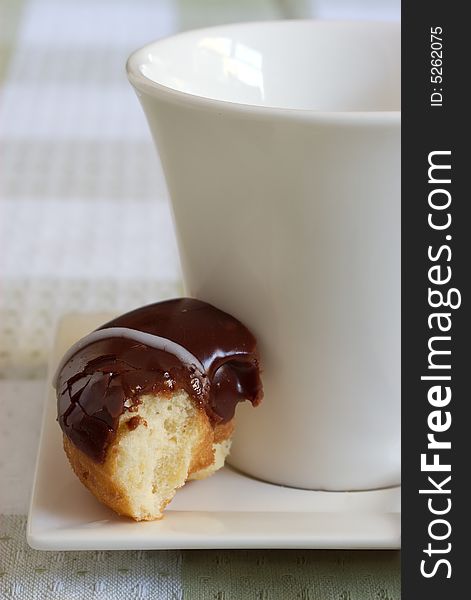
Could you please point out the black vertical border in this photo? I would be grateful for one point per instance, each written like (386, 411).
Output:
(425, 129)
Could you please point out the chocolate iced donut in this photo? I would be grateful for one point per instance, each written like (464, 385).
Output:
(147, 401)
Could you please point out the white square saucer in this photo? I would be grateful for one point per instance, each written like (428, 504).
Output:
(228, 510)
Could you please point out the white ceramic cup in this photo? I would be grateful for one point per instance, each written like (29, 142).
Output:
(280, 143)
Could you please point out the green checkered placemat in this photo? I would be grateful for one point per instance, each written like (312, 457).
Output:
(208, 575)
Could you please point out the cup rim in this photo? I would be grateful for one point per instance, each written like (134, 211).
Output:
(145, 85)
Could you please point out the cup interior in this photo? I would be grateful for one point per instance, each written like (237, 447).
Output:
(307, 65)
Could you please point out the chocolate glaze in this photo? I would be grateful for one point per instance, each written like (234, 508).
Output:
(106, 377)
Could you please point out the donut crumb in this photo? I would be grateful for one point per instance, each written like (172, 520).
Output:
(134, 422)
